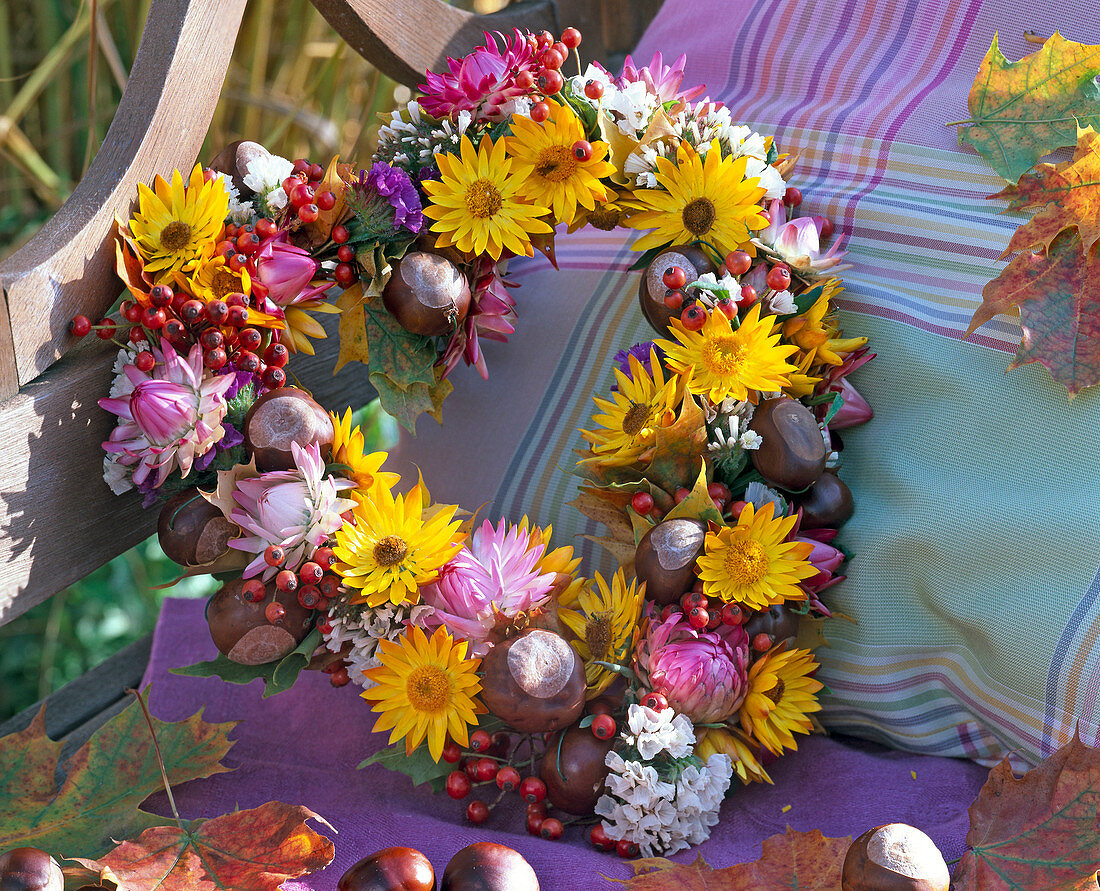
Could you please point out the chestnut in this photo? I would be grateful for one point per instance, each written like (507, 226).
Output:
(242, 631)
(281, 417)
(233, 161)
(894, 857)
(534, 682)
(665, 559)
(192, 531)
(30, 869)
(391, 869)
(792, 454)
(573, 769)
(486, 866)
(827, 504)
(427, 294)
(651, 289)
(778, 621)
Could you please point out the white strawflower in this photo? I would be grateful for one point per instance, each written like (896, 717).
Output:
(782, 303)
(750, 440)
(116, 475)
(363, 628)
(653, 732)
(264, 175)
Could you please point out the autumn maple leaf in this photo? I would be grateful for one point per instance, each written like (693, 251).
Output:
(1037, 831)
(1069, 195)
(1021, 111)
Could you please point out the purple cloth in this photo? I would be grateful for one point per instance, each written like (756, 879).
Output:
(302, 747)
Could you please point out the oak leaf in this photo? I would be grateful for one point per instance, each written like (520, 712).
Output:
(105, 780)
(251, 850)
(1021, 111)
(1037, 831)
(1069, 195)
(807, 861)
(1058, 297)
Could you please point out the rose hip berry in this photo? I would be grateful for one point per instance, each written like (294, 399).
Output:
(480, 741)
(458, 784)
(532, 789)
(642, 502)
(674, 278)
(477, 811)
(603, 727)
(551, 829)
(508, 779)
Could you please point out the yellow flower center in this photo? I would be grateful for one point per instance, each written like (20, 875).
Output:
(225, 283)
(556, 163)
(597, 634)
(428, 689)
(637, 419)
(699, 216)
(390, 551)
(176, 235)
(483, 199)
(746, 561)
(724, 355)
(606, 217)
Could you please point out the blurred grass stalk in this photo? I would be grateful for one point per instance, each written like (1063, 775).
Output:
(294, 85)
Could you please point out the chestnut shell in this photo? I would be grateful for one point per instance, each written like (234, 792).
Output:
(427, 294)
(485, 866)
(651, 289)
(534, 682)
(280, 417)
(391, 869)
(828, 504)
(665, 559)
(862, 873)
(240, 629)
(779, 621)
(575, 772)
(192, 531)
(233, 161)
(30, 869)
(792, 455)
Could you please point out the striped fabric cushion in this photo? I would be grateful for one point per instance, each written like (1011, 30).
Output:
(975, 581)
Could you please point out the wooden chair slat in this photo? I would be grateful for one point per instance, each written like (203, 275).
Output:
(67, 268)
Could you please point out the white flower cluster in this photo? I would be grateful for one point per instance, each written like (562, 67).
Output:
(264, 176)
(662, 816)
(240, 212)
(738, 415)
(363, 629)
(116, 475)
(414, 138)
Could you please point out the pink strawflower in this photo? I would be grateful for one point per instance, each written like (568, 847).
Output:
(171, 417)
(495, 574)
(855, 410)
(660, 79)
(295, 509)
(825, 558)
(285, 271)
(798, 241)
(701, 673)
(491, 313)
(483, 82)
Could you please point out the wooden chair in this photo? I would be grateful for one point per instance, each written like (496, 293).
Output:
(59, 520)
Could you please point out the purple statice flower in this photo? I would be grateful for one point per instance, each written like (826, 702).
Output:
(641, 352)
(386, 201)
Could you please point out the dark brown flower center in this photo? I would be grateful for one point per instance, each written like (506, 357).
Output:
(699, 216)
(556, 163)
(176, 235)
(636, 419)
(606, 217)
(390, 551)
(775, 694)
(483, 199)
(597, 634)
(225, 283)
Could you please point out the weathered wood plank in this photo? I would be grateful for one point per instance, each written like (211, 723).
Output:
(58, 519)
(161, 122)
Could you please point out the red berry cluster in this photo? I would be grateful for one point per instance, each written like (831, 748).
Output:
(643, 503)
(307, 199)
(547, 79)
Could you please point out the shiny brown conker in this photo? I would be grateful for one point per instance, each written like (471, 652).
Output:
(792, 454)
(280, 417)
(242, 631)
(192, 531)
(828, 504)
(427, 294)
(391, 869)
(894, 857)
(486, 866)
(778, 621)
(233, 161)
(665, 559)
(30, 869)
(651, 289)
(573, 769)
(534, 682)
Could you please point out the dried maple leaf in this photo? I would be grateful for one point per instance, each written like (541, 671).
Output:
(252, 850)
(1069, 195)
(806, 861)
(1038, 831)
(105, 781)
(1058, 296)
(1021, 111)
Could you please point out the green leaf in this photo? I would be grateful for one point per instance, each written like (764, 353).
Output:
(406, 359)
(419, 766)
(277, 676)
(106, 780)
(1021, 111)
(586, 721)
(406, 405)
(698, 505)
(678, 453)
